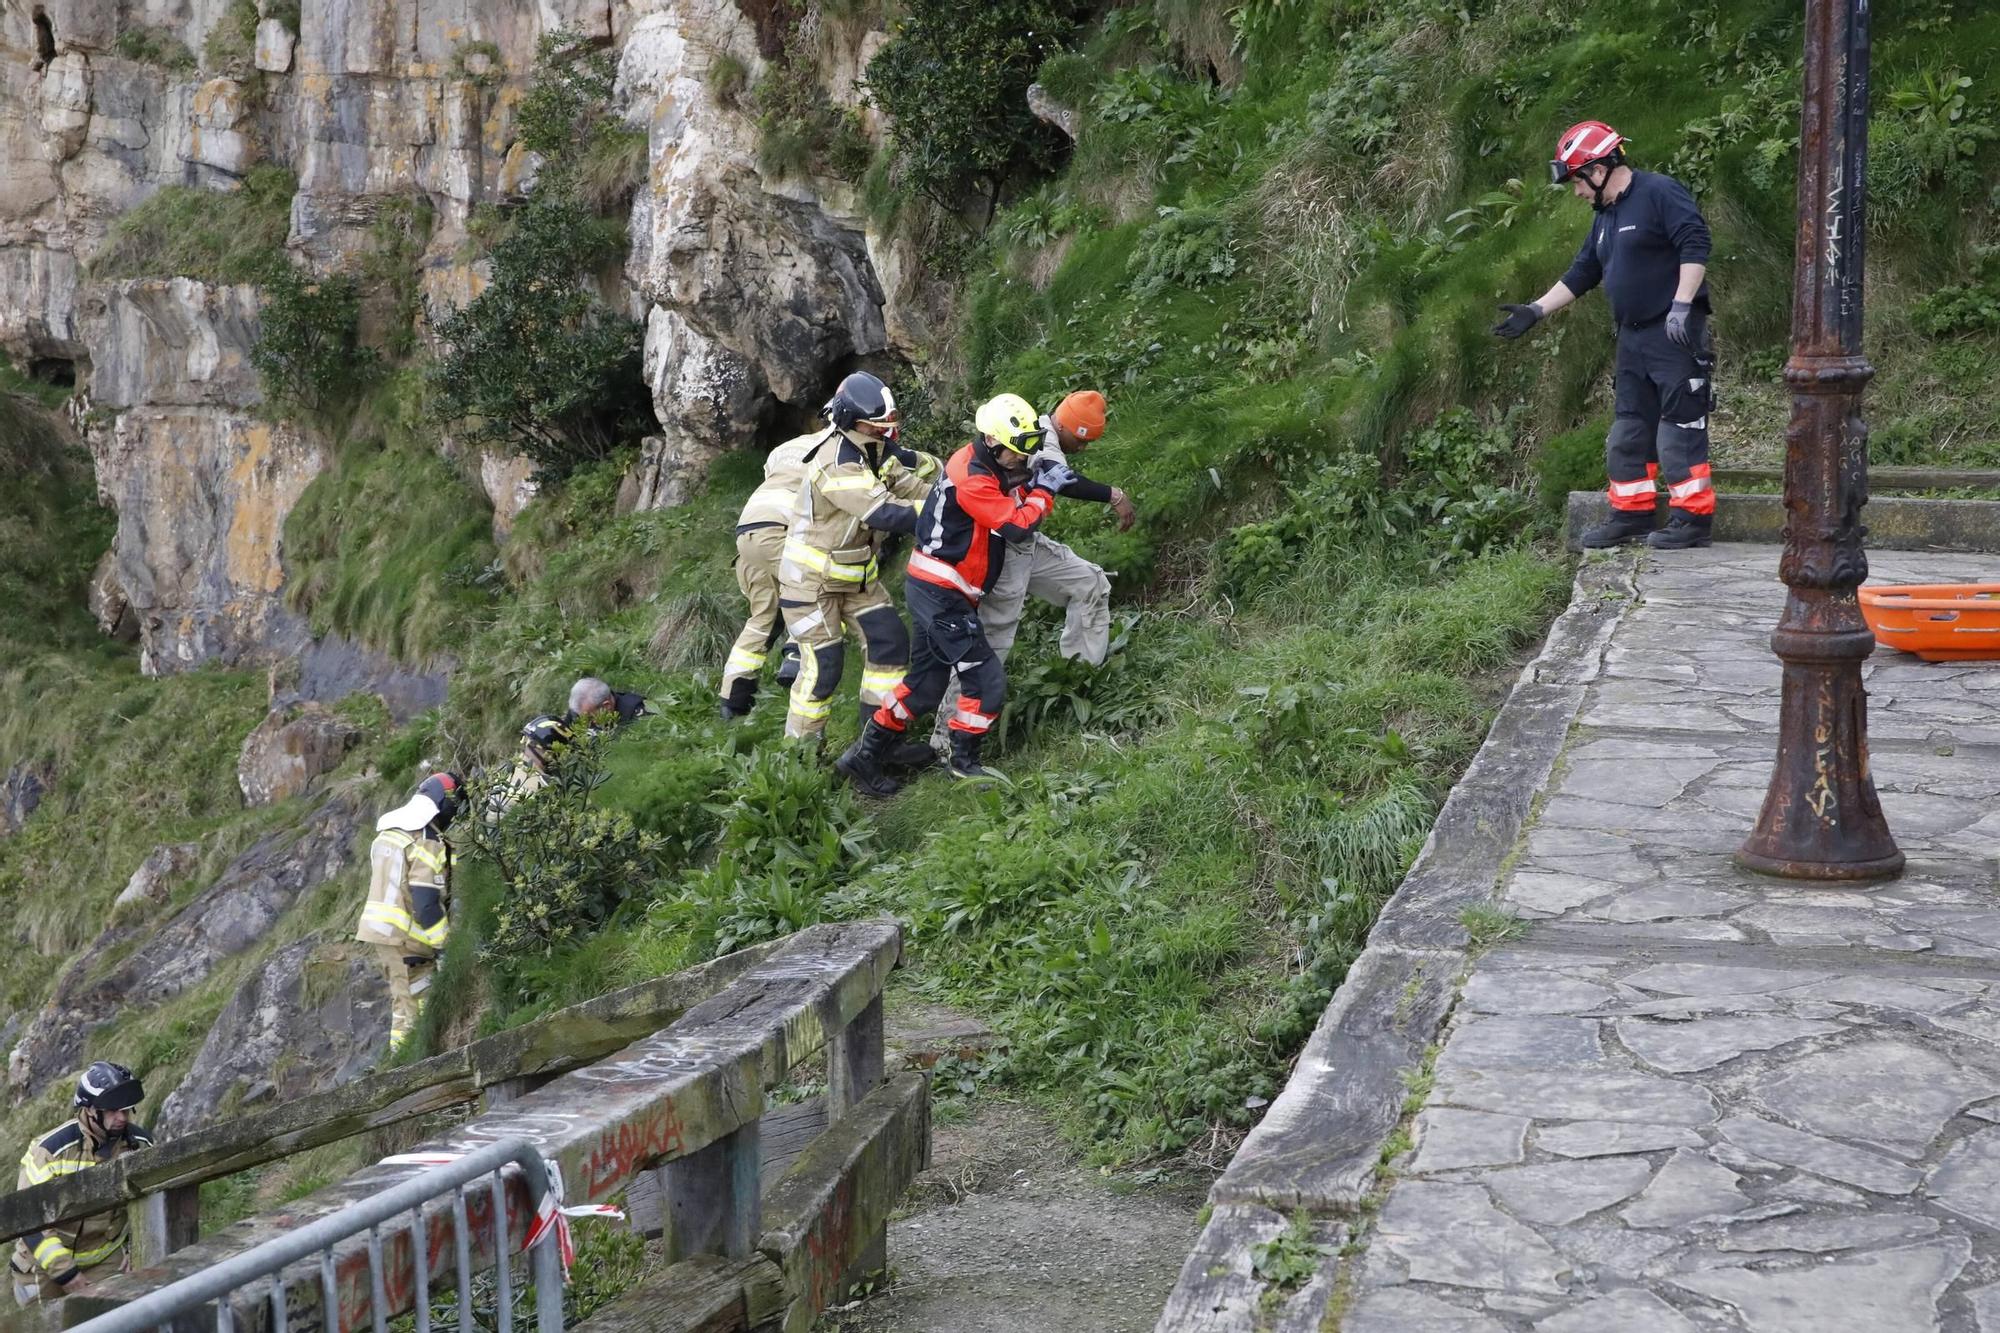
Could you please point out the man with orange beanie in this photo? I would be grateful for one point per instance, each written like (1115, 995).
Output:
(1048, 570)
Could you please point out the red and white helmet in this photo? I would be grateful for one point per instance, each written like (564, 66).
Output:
(1582, 144)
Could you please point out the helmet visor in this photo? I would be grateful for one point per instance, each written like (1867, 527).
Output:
(122, 1096)
(1558, 172)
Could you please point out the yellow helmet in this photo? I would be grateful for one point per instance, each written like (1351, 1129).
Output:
(1009, 422)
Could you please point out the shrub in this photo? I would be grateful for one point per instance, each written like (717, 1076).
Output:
(308, 355)
(568, 93)
(1185, 248)
(953, 79)
(568, 864)
(535, 364)
(155, 46)
(1970, 307)
(799, 128)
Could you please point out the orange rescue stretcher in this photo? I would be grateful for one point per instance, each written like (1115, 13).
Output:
(1939, 622)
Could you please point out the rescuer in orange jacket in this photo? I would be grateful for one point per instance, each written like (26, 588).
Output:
(991, 495)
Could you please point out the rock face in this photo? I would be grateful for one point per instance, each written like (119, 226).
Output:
(154, 880)
(755, 292)
(21, 792)
(289, 750)
(225, 920)
(311, 1017)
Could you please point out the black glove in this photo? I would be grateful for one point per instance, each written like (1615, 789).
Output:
(1677, 323)
(1518, 319)
(1052, 475)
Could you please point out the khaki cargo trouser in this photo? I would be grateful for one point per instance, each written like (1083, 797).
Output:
(408, 984)
(757, 553)
(1048, 570)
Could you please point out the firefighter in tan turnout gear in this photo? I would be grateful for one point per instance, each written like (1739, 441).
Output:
(760, 544)
(859, 485)
(407, 918)
(51, 1264)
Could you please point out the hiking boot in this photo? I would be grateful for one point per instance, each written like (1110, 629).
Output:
(861, 762)
(1683, 531)
(1624, 525)
(965, 756)
(909, 755)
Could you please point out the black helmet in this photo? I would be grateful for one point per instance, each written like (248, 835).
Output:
(862, 402)
(443, 789)
(108, 1087)
(544, 733)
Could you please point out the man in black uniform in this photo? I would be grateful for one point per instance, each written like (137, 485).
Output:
(1649, 247)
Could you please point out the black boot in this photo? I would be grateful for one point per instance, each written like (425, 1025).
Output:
(965, 756)
(862, 762)
(732, 712)
(1624, 525)
(1684, 531)
(905, 753)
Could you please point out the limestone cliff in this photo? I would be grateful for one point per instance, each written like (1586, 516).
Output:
(753, 290)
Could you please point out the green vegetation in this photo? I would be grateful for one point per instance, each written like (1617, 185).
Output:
(155, 46)
(953, 79)
(537, 364)
(1276, 246)
(308, 355)
(211, 235)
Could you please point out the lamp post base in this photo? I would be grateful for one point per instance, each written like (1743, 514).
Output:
(1882, 867)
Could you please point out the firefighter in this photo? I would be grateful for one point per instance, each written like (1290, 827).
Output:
(51, 1264)
(760, 543)
(993, 494)
(407, 918)
(859, 486)
(542, 741)
(1046, 569)
(1649, 246)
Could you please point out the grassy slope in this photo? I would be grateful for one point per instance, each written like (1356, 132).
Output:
(1198, 835)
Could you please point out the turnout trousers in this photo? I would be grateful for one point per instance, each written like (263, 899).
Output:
(409, 978)
(1662, 397)
(949, 646)
(1048, 571)
(819, 619)
(757, 553)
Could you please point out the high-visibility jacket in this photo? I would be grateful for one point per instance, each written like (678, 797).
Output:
(85, 1242)
(784, 469)
(848, 499)
(409, 890)
(525, 780)
(968, 520)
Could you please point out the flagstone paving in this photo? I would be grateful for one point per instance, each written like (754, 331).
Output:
(1688, 1099)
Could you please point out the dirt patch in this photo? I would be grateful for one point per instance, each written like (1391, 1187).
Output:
(1008, 1232)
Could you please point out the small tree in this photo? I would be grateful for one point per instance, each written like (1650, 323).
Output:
(308, 354)
(535, 362)
(567, 864)
(953, 79)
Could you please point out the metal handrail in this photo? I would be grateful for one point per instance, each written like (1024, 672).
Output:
(158, 1308)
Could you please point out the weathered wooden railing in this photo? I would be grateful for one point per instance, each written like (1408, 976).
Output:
(168, 1178)
(682, 1111)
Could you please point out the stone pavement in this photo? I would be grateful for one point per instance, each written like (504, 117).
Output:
(1689, 1098)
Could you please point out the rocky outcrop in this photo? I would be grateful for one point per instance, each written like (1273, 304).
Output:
(153, 882)
(21, 793)
(312, 1017)
(228, 918)
(290, 750)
